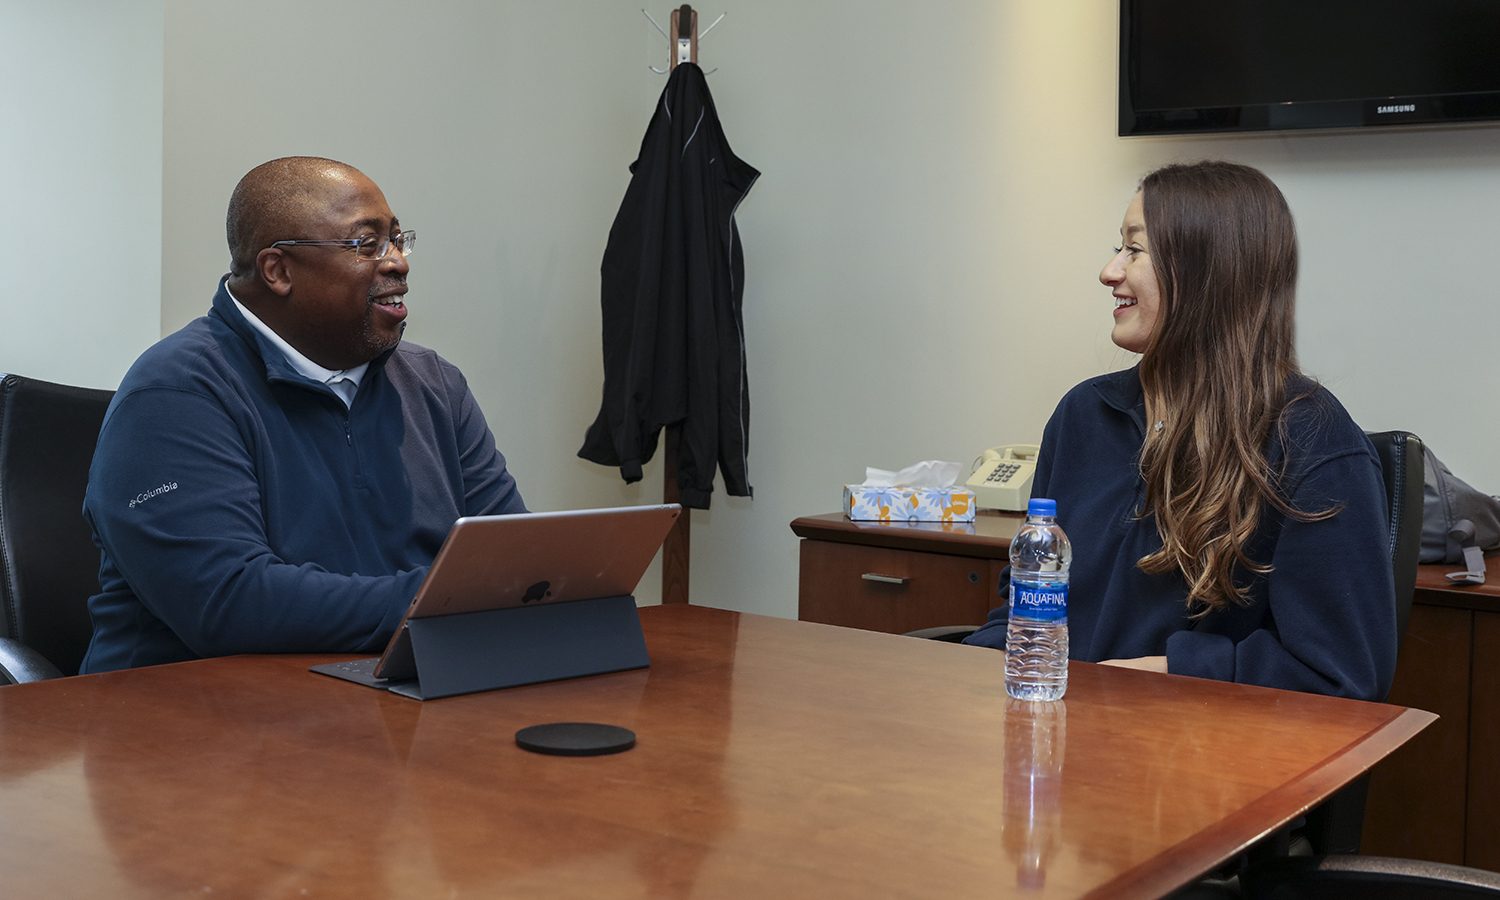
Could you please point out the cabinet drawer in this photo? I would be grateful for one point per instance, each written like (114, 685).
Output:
(880, 589)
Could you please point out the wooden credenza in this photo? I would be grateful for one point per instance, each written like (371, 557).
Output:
(1436, 798)
(898, 578)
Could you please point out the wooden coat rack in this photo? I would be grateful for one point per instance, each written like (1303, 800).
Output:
(684, 29)
(676, 554)
(683, 37)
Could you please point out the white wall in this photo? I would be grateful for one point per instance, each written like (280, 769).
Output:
(921, 249)
(80, 186)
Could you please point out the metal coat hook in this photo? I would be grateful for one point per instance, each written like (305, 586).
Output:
(685, 44)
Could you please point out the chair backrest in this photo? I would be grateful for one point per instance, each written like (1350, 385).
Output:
(1401, 464)
(1335, 826)
(49, 566)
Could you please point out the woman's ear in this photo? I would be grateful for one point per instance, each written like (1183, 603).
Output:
(271, 265)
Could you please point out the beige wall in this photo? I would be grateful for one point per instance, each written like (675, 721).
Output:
(921, 249)
(80, 186)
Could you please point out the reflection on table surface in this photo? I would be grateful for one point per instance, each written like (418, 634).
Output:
(1036, 737)
(774, 758)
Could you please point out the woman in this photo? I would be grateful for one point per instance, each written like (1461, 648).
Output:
(1227, 516)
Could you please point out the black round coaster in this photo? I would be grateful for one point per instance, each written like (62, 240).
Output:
(575, 739)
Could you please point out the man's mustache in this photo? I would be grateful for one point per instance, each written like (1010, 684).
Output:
(386, 286)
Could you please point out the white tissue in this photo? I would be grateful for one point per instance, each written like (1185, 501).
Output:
(929, 473)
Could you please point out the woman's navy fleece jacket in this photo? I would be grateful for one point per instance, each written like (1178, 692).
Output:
(1324, 619)
(241, 508)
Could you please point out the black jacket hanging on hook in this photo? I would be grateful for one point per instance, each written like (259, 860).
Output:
(672, 290)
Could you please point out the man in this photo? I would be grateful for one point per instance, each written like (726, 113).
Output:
(277, 476)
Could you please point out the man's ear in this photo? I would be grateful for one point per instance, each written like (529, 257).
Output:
(271, 265)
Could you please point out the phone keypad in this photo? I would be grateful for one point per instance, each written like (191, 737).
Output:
(1002, 473)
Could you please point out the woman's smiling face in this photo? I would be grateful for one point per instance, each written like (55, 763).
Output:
(1132, 280)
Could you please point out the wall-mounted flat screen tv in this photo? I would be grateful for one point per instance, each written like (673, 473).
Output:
(1213, 66)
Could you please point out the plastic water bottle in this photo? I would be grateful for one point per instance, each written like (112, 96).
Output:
(1036, 639)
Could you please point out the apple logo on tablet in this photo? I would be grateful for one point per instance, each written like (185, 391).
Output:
(536, 591)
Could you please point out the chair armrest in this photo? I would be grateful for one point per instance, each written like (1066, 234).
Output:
(1365, 876)
(953, 634)
(20, 664)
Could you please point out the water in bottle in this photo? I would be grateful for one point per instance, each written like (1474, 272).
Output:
(1036, 639)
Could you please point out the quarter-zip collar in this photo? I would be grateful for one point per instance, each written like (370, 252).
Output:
(1122, 391)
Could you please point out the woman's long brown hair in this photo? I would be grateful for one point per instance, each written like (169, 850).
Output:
(1215, 372)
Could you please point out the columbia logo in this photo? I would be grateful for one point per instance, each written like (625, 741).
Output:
(154, 492)
(1397, 108)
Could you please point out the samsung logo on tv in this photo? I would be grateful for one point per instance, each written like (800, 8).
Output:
(1397, 108)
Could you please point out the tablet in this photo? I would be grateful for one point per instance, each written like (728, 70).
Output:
(496, 562)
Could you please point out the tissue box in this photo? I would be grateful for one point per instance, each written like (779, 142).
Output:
(864, 503)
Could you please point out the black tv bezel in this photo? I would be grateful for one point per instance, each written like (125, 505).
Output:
(1362, 112)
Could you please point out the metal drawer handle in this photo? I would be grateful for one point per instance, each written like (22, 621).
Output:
(886, 579)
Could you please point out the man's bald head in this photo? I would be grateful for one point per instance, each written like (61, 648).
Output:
(276, 200)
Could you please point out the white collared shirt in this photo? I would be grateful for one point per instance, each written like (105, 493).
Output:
(345, 382)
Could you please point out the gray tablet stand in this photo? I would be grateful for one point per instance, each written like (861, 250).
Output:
(498, 648)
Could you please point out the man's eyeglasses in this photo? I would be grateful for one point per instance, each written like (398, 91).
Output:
(371, 247)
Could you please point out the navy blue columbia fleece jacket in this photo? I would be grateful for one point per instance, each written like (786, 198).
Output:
(1324, 619)
(241, 508)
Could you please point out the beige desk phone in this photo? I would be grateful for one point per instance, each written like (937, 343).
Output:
(1002, 477)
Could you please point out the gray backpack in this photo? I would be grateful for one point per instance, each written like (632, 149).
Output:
(1458, 522)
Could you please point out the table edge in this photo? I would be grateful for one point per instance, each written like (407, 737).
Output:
(1168, 871)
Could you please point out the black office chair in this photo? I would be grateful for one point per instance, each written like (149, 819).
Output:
(1335, 826)
(1401, 465)
(49, 566)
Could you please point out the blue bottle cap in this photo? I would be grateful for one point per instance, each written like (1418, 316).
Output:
(1039, 506)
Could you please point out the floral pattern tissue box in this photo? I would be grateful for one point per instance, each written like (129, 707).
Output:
(867, 503)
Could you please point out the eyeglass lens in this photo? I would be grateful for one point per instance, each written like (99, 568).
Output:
(376, 247)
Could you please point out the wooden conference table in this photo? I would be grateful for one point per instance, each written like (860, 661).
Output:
(775, 759)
